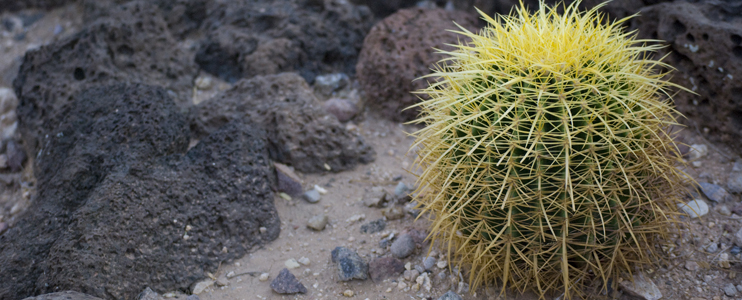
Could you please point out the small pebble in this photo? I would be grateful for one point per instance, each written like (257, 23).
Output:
(442, 264)
(350, 265)
(419, 269)
(450, 295)
(381, 268)
(712, 247)
(691, 266)
(403, 246)
(441, 276)
(723, 210)
(319, 189)
(428, 263)
(200, 286)
(724, 260)
(263, 229)
(401, 285)
(348, 293)
(262, 277)
(286, 283)
(203, 83)
(318, 222)
(401, 189)
(312, 196)
(305, 261)
(373, 226)
(695, 208)
(376, 197)
(730, 290)
(392, 213)
(714, 192)
(291, 264)
(698, 151)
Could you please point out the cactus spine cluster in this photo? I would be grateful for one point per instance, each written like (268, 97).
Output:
(546, 157)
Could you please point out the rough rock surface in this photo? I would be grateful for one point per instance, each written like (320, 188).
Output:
(132, 45)
(398, 50)
(350, 264)
(249, 38)
(616, 9)
(66, 295)
(286, 283)
(15, 5)
(705, 45)
(300, 132)
(122, 207)
(383, 8)
(381, 268)
(182, 16)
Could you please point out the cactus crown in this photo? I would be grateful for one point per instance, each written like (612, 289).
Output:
(546, 158)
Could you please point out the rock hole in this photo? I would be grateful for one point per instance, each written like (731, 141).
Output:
(705, 37)
(125, 50)
(737, 96)
(690, 38)
(79, 74)
(736, 39)
(737, 51)
(736, 119)
(678, 28)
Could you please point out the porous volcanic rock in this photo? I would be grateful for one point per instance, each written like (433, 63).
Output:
(181, 16)
(705, 45)
(246, 38)
(121, 205)
(15, 5)
(616, 9)
(66, 295)
(300, 132)
(132, 45)
(398, 50)
(384, 8)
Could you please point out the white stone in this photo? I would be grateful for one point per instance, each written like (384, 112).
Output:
(201, 286)
(442, 264)
(263, 277)
(305, 261)
(641, 287)
(695, 208)
(291, 264)
(698, 151)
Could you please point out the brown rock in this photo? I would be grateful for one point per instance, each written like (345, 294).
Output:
(705, 45)
(385, 267)
(398, 50)
(343, 109)
(300, 132)
(288, 181)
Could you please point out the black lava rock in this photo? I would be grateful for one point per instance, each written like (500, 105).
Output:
(286, 283)
(350, 264)
(122, 205)
(246, 38)
(132, 45)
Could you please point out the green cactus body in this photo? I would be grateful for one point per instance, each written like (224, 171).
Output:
(546, 158)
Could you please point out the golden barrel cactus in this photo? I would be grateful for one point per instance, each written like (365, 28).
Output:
(546, 158)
